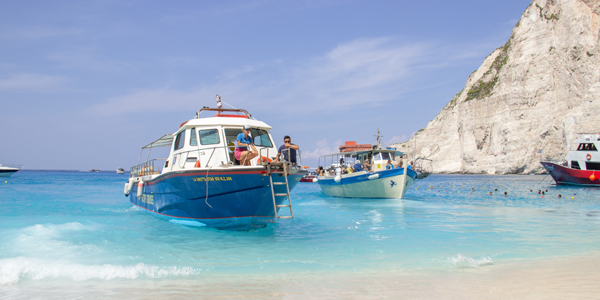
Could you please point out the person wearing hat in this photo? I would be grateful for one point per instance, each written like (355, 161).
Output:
(244, 140)
(357, 166)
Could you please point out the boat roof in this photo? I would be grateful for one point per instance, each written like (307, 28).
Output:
(224, 117)
(390, 150)
(164, 141)
(587, 137)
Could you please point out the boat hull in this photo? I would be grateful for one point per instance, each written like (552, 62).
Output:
(7, 172)
(567, 176)
(308, 178)
(391, 184)
(224, 199)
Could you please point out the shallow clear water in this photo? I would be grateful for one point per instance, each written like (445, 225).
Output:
(77, 227)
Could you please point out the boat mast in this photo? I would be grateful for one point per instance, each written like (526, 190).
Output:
(378, 139)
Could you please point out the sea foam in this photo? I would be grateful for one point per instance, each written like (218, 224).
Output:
(464, 261)
(12, 270)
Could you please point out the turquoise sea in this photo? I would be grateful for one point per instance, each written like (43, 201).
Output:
(67, 234)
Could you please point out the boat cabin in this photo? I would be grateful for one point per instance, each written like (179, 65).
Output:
(377, 157)
(586, 157)
(209, 143)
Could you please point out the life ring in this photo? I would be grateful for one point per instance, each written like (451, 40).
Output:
(263, 158)
(588, 156)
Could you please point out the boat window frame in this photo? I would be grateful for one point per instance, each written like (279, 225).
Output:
(207, 129)
(179, 139)
(254, 130)
(226, 142)
(193, 137)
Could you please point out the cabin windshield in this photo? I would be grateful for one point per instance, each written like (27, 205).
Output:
(587, 147)
(387, 155)
(261, 138)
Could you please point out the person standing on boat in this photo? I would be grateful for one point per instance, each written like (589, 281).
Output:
(288, 150)
(244, 140)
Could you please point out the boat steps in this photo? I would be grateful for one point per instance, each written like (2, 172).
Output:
(285, 166)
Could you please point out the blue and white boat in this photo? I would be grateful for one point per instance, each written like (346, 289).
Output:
(378, 182)
(201, 183)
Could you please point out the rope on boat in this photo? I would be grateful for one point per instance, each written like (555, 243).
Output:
(544, 178)
(206, 199)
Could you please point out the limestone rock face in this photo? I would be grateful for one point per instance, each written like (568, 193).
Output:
(534, 93)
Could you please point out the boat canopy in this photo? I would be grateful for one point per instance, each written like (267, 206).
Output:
(164, 141)
(354, 153)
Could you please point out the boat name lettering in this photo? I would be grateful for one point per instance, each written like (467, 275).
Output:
(213, 178)
(148, 199)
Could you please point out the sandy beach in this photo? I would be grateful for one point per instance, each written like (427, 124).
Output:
(560, 278)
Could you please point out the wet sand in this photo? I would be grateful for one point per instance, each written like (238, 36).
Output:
(560, 278)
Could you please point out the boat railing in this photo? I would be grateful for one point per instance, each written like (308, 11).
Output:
(423, 167)
(147, 168)
(11, 166)
(298, 158)
(183, 155)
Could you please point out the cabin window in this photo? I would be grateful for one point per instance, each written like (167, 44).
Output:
(180, 140)
(592, 165)
(376, 156)
(386, 156)
(575, 165)
(193, 141)
(261, 138)
(209, 137)
(587, 147)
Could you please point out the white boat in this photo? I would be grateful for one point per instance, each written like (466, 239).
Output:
(120, 171)
(201, 181)
(579, 166)
(379, 182)
(8, 170)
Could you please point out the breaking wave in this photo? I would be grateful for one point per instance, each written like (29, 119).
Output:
(12, 270)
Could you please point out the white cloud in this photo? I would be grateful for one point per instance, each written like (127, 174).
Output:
(369, 72)
(323, 148)
(31, 82)
(397, 139)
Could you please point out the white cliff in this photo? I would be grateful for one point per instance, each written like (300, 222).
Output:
(534, 93)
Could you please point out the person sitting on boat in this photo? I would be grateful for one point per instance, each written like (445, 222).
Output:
(410, 165)
(389, 165)
(288, 150)
(400, 163)
(357, 166)
(244, 140)
(338, 171)
(349, 169)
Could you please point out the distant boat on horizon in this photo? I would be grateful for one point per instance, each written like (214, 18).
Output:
(8, 170)
(120, 171)
(94, 170)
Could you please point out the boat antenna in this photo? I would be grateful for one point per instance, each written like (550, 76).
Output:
(219, 104)
(378, 138)
(415, 151)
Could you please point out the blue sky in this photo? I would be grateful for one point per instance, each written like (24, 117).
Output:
(85, 84)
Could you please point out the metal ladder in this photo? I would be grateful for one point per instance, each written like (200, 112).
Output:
(285, 166)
